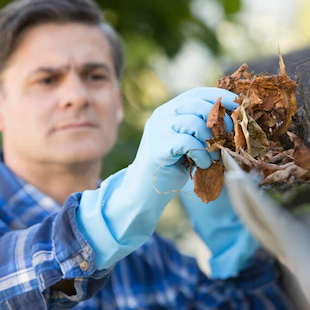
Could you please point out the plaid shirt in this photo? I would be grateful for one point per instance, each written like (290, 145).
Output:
(40, 245)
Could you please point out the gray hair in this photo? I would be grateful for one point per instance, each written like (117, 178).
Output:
(20, 15)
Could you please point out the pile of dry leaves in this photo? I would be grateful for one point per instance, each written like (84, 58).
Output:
(263, 136)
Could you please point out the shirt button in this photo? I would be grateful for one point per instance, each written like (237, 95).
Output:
(84, 265)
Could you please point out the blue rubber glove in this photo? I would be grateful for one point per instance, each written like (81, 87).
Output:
(217, 224)
(121, 216)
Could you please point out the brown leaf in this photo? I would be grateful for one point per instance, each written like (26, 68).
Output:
(302, 174)
(290, 105)
(284, 176)
(239, 138)
(209, 182)
(281, 63)
(280, 176)
(268, 169)
(302, 152)
(254, 162)
(255, 137)
(240, 159)
(272, 94)
(216, 120)
(212, 146)
(258, 138)
(280, 157)
(266, 106)
(244, 125)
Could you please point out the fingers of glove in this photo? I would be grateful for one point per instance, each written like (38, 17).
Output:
(210, 94)
(194, 126)
(201, 108)
(194, 149)
(194, 106)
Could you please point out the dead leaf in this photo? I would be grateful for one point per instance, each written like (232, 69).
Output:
(239, 138)
(302, 152)
(258, 139)
(266, 106)
(209, 182)
(290, 105)
(281, 63)
(212, 146)
(280, 176)
(267, 168)
(275, 95)
(244, 125)
(216, 120)
(280, 157)
(284, 176)
(241, 160)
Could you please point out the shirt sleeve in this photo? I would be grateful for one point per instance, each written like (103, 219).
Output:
(256, 288)
(34, 259)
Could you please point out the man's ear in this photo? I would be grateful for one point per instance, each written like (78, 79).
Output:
(119, 111)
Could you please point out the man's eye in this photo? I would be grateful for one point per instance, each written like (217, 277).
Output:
(97, 77)
(48, 80)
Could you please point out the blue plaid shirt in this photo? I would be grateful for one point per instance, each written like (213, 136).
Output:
(40, 244)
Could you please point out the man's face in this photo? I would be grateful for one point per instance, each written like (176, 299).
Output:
(60, 99)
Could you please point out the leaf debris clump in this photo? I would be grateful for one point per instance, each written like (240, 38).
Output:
(263, 137)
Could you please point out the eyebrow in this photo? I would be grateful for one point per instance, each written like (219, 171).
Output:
(95, 65)
(61, 69)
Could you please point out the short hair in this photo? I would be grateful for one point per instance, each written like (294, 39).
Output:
(20, 15)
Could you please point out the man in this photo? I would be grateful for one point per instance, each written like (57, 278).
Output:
(60, 106)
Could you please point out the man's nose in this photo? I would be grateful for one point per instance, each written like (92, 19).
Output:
(74, 93)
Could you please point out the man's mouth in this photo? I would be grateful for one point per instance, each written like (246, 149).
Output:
(75, 126)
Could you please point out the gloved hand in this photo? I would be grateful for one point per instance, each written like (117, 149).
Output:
(120, 216)
(217, 224)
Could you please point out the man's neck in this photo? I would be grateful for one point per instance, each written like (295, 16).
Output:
(55, 180)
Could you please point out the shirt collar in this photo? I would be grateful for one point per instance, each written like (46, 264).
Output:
(22, 199)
